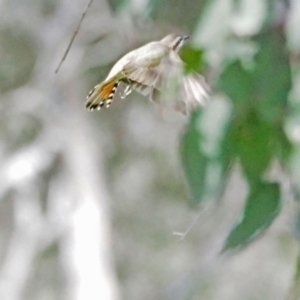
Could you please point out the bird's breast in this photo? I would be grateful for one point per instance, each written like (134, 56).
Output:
(150, 54)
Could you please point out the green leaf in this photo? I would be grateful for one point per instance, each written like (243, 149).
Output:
(193, 59)
(194, 162)
(259, 96)
(272, 76)
(237, 83)
(205, 155)
(262, 207)
(253, 142)
(264, 88)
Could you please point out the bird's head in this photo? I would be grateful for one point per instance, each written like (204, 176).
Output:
(174, 41)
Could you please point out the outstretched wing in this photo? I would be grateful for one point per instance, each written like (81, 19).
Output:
(145, 67)
(165, 83)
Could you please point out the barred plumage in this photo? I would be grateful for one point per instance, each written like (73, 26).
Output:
(152, 70)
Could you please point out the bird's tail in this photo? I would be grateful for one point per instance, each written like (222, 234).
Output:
(102, 94)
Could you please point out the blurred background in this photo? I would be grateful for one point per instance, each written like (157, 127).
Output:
(136, 202)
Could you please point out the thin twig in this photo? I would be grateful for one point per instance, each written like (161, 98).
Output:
(182, 235)
(73, 37)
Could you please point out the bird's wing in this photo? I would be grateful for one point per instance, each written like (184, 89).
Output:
(145, 67)
(164, 81)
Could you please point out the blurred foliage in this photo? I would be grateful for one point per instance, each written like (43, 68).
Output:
(262, 207)
(205, 153)
(254, 134)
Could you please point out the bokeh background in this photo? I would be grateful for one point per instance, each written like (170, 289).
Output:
(137, 202)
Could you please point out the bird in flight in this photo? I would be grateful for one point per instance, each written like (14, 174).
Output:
(154, 70)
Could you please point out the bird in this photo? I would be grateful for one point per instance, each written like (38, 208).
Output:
(154, 70)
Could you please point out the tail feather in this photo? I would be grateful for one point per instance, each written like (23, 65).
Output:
(102, 94)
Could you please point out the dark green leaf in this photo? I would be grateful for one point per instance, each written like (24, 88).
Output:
(262, 207)
(253, 142)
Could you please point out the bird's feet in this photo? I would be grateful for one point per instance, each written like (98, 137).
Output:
(128, 89)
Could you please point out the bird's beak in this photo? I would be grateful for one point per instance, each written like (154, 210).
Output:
(186, 37)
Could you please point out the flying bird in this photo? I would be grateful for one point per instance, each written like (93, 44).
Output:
(154, 70)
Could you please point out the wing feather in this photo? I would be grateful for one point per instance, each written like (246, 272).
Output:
(164, 81)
